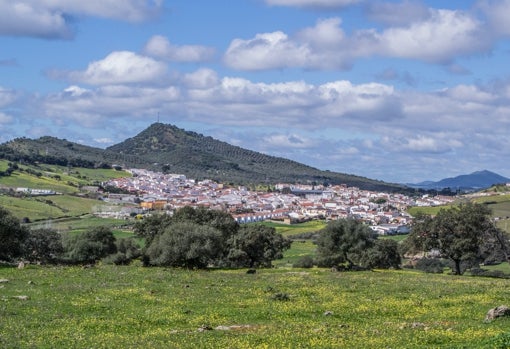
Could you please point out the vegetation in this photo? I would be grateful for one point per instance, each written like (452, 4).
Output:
(177, 151)
(12, 236)
(198, 238)
(458, 233)
(349, 243)
(134, 307)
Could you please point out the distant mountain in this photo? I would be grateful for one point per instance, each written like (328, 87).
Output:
(170, 149)
(474, 181)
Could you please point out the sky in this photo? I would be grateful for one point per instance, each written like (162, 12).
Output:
(401, 91)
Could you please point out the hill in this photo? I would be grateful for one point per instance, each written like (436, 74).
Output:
(474, 181)
(170, 149)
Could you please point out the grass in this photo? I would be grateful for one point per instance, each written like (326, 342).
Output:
(134, 307)
(293, 229)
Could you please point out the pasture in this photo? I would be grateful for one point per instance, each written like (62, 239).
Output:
(135, 307)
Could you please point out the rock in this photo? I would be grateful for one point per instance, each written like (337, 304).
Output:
(204, 328)
(328, 313)
(21, 265)
(21, 298)
(222, 328)
(500, 311)
(3, 281)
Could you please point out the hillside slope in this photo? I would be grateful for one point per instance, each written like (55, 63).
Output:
(170, 149)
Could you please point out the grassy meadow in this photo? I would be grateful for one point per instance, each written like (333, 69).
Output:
(135, 307)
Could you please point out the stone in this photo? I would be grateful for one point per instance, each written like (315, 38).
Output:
(21, 298)
(499, 311)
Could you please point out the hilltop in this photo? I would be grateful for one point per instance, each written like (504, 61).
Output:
(169, 149)
(474, 181)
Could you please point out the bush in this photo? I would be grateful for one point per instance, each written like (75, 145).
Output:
(430, 265)
(90, 246)
(304, 262)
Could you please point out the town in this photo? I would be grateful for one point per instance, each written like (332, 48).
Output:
(154, 191)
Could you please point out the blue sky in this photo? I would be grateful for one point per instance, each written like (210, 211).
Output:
(402, 91)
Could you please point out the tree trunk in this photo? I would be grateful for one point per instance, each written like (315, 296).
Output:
(457, 267)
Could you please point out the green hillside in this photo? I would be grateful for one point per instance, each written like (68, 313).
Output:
(167, 148)
(70, 199)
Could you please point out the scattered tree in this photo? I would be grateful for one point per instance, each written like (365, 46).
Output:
(44, 246)
(186, 244)
(90, 246)
(457, 233)
(383, 254)
(256, 246)
(12, 236)
(343, 241)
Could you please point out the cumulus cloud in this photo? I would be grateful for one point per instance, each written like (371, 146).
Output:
(289, 141)
(397, 13)
(313, 3)
(52, 18)
(497, 13)
(7, 96)
(119, 67)
(158, 46)
(201, 79)
(5, 119)
(92, 107)
(438, 37)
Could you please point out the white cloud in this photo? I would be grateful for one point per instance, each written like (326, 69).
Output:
(288, 141)
(497, 13)
(313, 3)
(397, 14)
(266, 51)
(50, 18)
(120, 67)
(440, 37)
(95, 107)
(24, 19)
(7, 96)
(201, 79)
(5, 118)
(159, 46)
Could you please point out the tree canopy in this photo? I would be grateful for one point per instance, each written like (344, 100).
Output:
(458, 233)
(12, 236)
(200, 237)
(343, 241)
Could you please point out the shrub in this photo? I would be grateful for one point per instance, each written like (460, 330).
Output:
(304, 262)
(430, 265)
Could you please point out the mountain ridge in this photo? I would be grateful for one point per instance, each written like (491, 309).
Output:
(167, 148)
(474, 181)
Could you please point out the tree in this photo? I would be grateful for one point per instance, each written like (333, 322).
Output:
(12, 236)
(383, 254)
(151, 226)
(43, 245)
(90, 246)
(343, 241)
(186, 244)
(457, 233)
(256, 246)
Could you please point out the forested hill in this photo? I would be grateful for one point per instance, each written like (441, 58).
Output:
(170, 149)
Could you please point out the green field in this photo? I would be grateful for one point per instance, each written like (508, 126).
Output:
(294, 229)
(60, 179)
(136, 307)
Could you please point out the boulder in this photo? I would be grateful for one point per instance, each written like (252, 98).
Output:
(500, 311)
